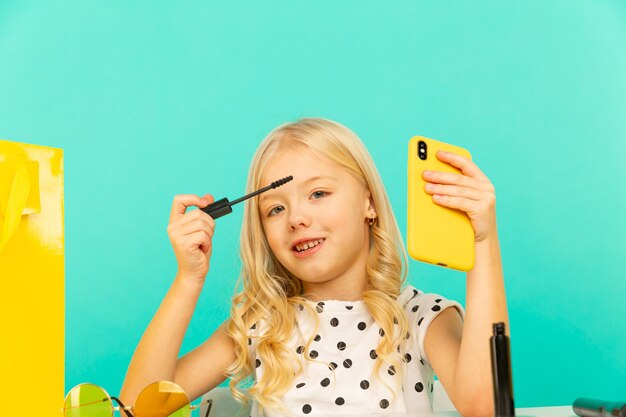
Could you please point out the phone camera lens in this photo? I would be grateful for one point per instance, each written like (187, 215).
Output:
(422, 150)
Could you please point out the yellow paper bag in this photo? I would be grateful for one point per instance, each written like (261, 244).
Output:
(31, 280)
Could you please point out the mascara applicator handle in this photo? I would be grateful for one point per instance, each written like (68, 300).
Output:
(223, 207)
(218, 209)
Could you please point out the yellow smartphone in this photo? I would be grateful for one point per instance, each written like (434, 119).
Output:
(436, 234)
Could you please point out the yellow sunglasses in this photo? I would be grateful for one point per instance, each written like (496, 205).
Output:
(159, 399)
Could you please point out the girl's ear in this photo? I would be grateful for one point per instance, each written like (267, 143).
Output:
(370, 209)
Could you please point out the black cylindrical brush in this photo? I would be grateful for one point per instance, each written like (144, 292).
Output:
(502, 375)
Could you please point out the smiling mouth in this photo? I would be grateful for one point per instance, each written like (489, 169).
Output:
(303, 247)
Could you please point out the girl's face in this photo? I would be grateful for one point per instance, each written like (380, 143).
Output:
(316, 224)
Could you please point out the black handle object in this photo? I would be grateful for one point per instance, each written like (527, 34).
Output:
(223, 207)
(218, 208)
(587, 407)
(501, 370)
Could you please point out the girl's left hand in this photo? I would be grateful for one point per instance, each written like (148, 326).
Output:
(471, 192)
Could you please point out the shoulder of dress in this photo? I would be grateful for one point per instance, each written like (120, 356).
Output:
(408, 294)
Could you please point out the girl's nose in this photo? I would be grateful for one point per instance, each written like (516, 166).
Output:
(298, 219)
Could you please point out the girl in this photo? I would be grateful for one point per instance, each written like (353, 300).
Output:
(324, 323)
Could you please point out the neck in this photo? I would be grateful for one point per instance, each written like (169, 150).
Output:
(346, 288)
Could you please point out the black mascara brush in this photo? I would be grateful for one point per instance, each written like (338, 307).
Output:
(223, 207)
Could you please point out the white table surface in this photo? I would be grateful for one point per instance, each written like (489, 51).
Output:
(560, 411)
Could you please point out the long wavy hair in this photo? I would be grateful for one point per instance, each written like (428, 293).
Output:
(268, 292)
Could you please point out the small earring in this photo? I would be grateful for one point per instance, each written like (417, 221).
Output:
(371, 221)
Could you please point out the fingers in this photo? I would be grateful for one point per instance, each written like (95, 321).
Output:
(183, 201)
(447, 186)
(199, 238)
(467, 166)
(191, 234)
(194, 230)
(453, 190)
(469, 191)
(454, 179)
(188, 225)
(208, 198)
(458, 179)
(184, 223)
(470, 206)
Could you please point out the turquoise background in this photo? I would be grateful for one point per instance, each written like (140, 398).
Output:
(153, 98)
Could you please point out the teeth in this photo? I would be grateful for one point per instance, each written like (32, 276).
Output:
(307, 245)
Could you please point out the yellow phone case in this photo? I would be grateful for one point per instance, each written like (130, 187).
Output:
(436, 234)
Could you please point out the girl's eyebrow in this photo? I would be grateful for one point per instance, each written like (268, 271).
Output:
(312, 179)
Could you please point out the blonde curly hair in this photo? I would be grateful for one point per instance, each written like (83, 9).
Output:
(269, 292)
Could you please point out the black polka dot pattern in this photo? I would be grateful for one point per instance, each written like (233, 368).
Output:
(343, 346)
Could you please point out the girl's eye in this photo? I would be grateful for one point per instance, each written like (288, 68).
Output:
(275, 210)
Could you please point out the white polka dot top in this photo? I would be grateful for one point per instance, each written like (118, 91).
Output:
(346, 338)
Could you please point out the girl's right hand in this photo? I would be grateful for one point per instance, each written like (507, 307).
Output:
(191, 235)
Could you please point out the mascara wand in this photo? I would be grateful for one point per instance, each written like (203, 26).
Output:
(223, 207)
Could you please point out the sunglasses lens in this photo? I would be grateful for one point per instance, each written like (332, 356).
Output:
(162, 399)
(87, 400)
